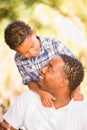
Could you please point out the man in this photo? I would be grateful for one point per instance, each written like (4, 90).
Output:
(33, 53)
(62, 76)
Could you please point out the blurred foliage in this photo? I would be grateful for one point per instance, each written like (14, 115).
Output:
(75, 7)
(9, 9)
(64, 19)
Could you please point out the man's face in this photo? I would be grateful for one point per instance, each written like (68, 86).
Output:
(52, 75)
(30, 47)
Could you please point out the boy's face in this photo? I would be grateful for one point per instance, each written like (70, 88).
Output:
(30, 47)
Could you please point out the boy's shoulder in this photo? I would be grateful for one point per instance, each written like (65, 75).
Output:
(49, 40)
(42, 38)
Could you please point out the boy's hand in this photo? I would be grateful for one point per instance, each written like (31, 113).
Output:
(4, 126)
(46, 98)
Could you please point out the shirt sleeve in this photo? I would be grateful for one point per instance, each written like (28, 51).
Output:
(27, 69)
(16, 114)
(84, 116)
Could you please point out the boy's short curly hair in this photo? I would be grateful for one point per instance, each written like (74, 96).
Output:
(16, 33)
(73, 70)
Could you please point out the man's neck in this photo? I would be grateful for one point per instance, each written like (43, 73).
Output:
(61, 102)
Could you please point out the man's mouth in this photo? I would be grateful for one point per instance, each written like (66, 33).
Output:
(41, 77)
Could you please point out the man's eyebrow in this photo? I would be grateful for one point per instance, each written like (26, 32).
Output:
(50, 65)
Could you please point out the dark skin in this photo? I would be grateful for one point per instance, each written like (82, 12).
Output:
(5, 126)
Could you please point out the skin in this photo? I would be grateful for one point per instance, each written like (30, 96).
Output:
(30, 47)
(6, 126)
(53, 80)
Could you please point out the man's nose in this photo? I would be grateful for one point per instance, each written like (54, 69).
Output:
(43, 70)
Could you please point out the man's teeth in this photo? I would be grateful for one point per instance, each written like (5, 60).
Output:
(41, 77)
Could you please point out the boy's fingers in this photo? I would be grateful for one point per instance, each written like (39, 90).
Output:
(47, 103)
(2, 126)
(53, 98)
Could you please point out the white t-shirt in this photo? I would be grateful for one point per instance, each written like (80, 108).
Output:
(28, 111)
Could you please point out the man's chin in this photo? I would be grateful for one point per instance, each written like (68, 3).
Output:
(41, 81)
(40, 84)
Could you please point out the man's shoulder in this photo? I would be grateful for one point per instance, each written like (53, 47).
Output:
(80, 104)
(29, 95)
(29, 92)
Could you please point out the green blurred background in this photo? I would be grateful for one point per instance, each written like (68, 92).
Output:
(63, 19)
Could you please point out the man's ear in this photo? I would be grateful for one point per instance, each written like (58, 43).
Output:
(65, 82)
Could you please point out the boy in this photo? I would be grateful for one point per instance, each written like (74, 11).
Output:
(33, 53)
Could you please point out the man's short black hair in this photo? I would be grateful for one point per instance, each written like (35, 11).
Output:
(73, 70)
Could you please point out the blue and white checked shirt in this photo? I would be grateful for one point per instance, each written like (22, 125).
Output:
(29, 68)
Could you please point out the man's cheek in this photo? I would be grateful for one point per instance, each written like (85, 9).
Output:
(41, 83)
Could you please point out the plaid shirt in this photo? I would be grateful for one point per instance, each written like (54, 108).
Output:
(29, 68)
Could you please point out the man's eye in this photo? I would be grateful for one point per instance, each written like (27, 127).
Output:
(48, 69)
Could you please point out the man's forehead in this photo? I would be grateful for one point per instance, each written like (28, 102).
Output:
(56, 63)
(56, 60)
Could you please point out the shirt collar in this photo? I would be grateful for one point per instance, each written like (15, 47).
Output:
(44, 44)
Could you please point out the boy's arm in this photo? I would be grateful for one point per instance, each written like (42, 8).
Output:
(4, 125)
(45, 96)
(34, 87)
